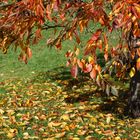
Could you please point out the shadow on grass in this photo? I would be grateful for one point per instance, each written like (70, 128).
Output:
(111, 104)
(80, 98)
(116, 105)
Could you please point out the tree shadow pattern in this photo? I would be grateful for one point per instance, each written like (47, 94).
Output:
(109, 104)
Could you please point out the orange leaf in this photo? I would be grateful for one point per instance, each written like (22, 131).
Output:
(93, 73)
(138, 64)
(96, 35)
(136, 10)
(105, 39)
(80, 64)
(81, 26)
(106, 56)
(69, 53)
(29, 52)
(58, 46)
(102, 22)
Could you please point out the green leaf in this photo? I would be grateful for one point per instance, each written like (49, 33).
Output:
(114, 91)
(107, 90)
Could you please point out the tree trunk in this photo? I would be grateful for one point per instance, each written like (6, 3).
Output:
(134, 99)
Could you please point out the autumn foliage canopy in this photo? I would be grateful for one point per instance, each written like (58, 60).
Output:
(22, 23)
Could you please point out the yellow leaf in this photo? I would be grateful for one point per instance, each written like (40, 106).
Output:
(54, 124)
(132, 72)
(108, 120)
(92, 126)
(1, 111)
(26, 135)
(60, 135)
(10, 112)
(90, 59)
(77, 51)
(13, 130)
(102, 124)
(10, 135)
(101, 115)
(81, 25)
(88, 138)
(76, 138)
(98, 131)
(65, 117)
(117, 138)
(93, 120)
(81, 132)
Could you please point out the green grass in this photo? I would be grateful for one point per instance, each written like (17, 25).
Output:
(40, 100)
(47, 106)
(43, 59)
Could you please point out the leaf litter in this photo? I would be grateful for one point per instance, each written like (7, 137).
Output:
(62, 109)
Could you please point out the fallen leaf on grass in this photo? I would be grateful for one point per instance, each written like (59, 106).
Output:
(1, 111)
(108, 119)
(12, 133)
(81, 132)
(54, 124)
(93, 119)
(75, 138)
(108, 133)
(60, 135)
(65, 117)
(10, 112)
(26, 135)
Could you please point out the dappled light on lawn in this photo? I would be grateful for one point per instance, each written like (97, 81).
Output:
(48, 107)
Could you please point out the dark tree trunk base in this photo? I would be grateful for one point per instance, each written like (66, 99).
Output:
(134, 99)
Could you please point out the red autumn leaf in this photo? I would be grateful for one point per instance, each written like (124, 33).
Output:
(59, 45)
(96, 35)
(74, 71)
(87, 68)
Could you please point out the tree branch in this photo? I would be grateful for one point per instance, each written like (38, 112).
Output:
(46, 27)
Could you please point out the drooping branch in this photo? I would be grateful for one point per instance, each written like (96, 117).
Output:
(46, 26)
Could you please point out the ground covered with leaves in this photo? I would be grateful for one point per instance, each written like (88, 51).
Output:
(52, 105)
